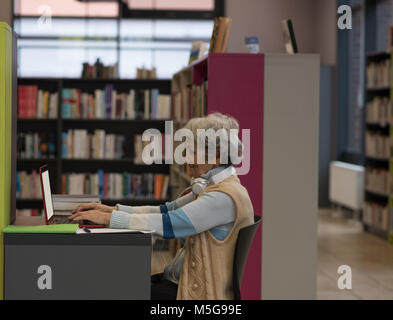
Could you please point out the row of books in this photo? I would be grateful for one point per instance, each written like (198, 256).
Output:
(144, 73)
(36, 145)
(190, 102)
(99, 71)
(110, 104)
(156, 144)
(377, 215)
(116, 185)
(378, 74)
(379, 111)
(36, 103)
(28, 185)
(138, 149)
(106, 185)
(377, 145)
(80, 144)
(378, 180)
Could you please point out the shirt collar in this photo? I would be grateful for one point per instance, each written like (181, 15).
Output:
(212, 172)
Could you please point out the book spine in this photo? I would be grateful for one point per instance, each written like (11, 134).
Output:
(65, 104)
(108, 102)
(101, 183)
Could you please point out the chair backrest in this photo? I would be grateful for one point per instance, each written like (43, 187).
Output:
(243, 245)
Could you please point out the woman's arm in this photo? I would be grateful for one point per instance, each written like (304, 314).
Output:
(96, 208)
(210, 210)
(164, 208)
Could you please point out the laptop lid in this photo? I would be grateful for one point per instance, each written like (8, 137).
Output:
(46, 194)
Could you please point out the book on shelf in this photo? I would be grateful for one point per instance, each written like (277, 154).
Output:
(161, 182)
(28, 185)
(377, 145)
(289, 36)
(164, 189)
(138, 148)
(155, 144)
(378, 180)
(376, 215)
(219, 38)
(81, 144)
(110, 104)
(146, 74)
(116, 185)
(379, 110)
(99, 71)
(190, 102)
(36, 103)
(378, 74)
(198, 49)
(36, 145)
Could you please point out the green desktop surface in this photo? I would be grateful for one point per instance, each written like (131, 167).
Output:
(52, 228)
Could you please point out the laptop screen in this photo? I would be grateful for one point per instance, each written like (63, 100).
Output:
(47, 195)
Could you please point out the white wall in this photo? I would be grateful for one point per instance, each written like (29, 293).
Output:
(290, 176)
(326, 31)
(314, 23)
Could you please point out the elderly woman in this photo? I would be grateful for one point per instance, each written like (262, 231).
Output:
(208, 219)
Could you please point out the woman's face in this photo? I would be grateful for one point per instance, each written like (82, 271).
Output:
(195, 170)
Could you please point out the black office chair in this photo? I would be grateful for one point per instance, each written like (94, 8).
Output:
(243, 245)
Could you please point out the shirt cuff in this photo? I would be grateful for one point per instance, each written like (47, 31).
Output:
(120, 220)
(123, 208)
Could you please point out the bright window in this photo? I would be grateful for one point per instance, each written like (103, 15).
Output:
(71, 8)
(171, 4)
(56, 42)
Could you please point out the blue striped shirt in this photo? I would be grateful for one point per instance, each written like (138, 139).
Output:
(214, 211)
(186, 216)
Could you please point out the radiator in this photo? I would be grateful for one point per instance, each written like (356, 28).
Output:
(346, 185)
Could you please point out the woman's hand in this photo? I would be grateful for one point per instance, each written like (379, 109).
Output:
(94, 206)
(94, 216)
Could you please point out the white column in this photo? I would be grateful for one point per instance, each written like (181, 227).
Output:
(290, 176)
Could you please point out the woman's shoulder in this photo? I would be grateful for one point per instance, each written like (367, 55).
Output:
(229, 185)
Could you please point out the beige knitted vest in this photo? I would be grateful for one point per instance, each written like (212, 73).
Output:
(207, 271)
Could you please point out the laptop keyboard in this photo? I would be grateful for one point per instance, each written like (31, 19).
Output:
(64, 220)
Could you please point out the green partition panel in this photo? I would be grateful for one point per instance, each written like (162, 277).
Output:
(5, 136)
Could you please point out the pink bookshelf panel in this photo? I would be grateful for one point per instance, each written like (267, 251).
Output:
(235, 87)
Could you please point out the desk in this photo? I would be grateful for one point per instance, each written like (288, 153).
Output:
(77, 266)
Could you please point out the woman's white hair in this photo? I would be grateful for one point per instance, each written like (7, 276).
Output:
(217, 123)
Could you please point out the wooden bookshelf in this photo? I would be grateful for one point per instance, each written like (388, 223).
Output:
(127, 127)
(372, 197)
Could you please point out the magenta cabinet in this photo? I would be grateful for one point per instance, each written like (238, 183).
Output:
(235, 87)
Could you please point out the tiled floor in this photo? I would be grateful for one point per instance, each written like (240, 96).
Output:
(343, 242)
